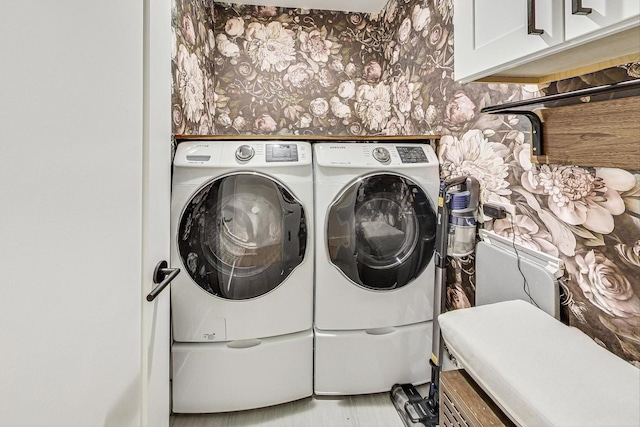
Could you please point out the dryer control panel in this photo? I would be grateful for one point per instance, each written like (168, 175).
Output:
(366, 155)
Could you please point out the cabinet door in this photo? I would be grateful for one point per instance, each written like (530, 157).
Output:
(603, 16)
(492, 35)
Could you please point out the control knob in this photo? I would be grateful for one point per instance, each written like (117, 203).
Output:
(244, 153)
(381, 154)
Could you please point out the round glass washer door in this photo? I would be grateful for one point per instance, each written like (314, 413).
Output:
(241, 235)
(381, 231)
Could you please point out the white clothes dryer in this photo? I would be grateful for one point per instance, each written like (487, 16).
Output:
(242, 311)
(375, 241)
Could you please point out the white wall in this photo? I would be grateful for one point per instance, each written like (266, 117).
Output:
(71, 116)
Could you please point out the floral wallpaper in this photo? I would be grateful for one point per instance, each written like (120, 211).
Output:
(256, 70)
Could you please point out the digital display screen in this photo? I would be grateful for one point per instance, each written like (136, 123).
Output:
(282, 153)
(412, 155)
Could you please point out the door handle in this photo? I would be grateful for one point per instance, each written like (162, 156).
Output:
(531, 18)
(163, 276)
(577, 9)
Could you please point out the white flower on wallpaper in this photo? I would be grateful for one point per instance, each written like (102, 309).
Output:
(404, 32)
(578, 196)
(316, 45)
(234, 27)
(472, 154)
(299, 75)
(226, 47)
(373, 105)
(524, 231)
(420, 16)
(319, 107)
(190, 83)
(347, 89)
(402, 94)
(604, 285)
(339, 109)
(271, 46)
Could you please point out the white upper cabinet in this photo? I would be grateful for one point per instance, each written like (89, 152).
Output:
(492, 33)
(585, 16)
(535, 40)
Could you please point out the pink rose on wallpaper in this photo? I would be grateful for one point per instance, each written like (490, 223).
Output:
(234, 27)
(603, 284)
(579, 197)
(404, 31)
(460, 109)
(372, 71)
(188, 30)
(264, 124)
(437, 36)
(421, 16)
(357, 20)
(319, 107)
(239, 123)
(525, 232)
(298, 75)
(316, 45)
(326, 78)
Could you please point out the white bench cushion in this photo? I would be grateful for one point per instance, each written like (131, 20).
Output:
(540, 371)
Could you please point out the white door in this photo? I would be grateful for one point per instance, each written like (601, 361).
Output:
(588, 16)
(80, 157)
(156, 211)
(492, 35)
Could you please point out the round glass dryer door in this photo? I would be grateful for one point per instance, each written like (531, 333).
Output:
(240, 236)
(381, 231)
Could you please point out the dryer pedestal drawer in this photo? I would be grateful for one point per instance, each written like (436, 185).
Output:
(244, 374)
(371, 361)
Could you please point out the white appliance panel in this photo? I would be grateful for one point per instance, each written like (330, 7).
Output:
(240, 375)
(340, 303)
(357, 362)
(367, 337)
(201, 317)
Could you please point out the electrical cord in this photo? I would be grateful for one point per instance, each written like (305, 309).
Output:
(525, 285)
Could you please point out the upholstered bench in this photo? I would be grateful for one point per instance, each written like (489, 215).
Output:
(539, 371)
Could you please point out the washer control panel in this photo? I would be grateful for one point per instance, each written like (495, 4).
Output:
(353, 154)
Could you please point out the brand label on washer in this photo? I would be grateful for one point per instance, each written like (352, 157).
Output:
(215, 329)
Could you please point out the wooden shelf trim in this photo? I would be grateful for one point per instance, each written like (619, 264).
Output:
(598, 126)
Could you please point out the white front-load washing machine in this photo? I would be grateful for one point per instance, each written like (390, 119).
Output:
(242, 311)
(375, 239)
